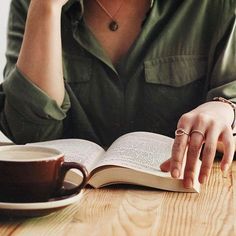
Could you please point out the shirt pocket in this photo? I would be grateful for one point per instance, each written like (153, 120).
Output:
(172, 86)
(175, 71)
(77, 72)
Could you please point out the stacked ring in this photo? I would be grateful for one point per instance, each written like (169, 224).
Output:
(180, 132)
(197, 131)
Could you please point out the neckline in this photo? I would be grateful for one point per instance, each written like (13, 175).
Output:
(103, 54)
(86, 38)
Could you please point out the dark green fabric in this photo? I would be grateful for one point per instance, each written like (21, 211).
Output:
(184, 56)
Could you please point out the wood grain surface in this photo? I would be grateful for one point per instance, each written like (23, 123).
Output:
(126, 210)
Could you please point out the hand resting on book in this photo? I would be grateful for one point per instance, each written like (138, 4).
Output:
(199, 127)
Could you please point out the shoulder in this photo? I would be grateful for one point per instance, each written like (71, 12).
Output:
(224, 12)
(217, 12)
(18, 12)
(224, 5)
(204, 8)
(20, 5)
(222, 8)
(217, 7)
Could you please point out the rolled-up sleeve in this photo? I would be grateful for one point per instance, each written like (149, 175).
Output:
(30, 101)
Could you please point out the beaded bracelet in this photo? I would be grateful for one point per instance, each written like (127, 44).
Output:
(221, 99)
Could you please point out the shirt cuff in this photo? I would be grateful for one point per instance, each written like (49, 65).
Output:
(30, 101)
(227, 91)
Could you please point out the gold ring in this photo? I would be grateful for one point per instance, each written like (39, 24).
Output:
(180, 132)
(197, 131)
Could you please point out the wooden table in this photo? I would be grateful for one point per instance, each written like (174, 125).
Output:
(140, 211)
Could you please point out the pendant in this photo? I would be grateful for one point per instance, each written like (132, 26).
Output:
(113, 26)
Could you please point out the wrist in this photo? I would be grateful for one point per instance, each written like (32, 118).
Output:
(233, 106)
(46, 7)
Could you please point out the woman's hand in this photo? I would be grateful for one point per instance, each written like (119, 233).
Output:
(58, 3)
(208, 124)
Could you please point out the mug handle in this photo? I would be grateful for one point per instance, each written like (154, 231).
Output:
(65, 167)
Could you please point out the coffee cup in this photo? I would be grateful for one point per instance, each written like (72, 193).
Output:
(35, 174)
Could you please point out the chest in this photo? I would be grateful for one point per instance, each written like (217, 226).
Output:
(116, 43)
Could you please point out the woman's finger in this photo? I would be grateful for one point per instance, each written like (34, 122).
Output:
(208, 153)
(229, 149)
(193, 153)
(178, 151)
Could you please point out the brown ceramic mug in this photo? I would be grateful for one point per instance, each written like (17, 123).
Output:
(34, 174)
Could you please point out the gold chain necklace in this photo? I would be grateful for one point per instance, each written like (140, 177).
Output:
(113, 25)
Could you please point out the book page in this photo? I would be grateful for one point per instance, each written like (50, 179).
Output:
(139, 150)
(76, 150)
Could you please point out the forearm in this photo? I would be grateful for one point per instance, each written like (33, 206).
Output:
(40, 58)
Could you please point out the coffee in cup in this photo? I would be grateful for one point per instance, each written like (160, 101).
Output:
(34, 174)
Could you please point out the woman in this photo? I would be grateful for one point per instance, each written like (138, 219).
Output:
(96, 69)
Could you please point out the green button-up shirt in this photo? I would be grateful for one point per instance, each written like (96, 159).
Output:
(184, 56)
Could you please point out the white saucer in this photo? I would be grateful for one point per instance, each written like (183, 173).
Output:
(37, 208)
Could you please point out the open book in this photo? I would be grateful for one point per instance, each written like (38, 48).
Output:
(134, 158)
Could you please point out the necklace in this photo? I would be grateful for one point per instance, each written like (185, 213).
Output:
(113, 25)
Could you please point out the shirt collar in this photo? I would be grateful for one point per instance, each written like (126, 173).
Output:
(77, 11)
(151, 3)
(70, 3)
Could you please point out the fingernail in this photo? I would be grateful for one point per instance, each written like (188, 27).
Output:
(225, 168)
(175, 173)
(225, 174)
(188, 183)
